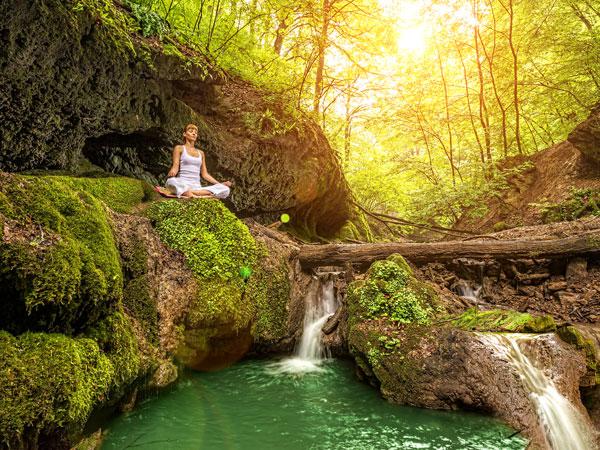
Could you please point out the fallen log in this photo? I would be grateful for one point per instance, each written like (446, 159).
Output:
(585, 243)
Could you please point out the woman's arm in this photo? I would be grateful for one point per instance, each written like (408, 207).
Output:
(207, 176)
(176, 158)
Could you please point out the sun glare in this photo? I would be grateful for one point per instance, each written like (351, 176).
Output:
(412, 39)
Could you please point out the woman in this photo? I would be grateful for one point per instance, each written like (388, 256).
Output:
(188, 166)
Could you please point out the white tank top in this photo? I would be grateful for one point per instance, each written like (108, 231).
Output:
(189, 166)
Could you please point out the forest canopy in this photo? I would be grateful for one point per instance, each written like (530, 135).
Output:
(422, 100)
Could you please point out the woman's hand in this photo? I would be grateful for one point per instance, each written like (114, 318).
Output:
(227, 183)
(172, 172)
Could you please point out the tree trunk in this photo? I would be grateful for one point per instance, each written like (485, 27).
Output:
(483, 111)
(363, 254)
(321, 48)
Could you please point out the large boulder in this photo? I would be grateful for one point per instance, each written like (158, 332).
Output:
(76, 82)
(405, 343)
(447, 368)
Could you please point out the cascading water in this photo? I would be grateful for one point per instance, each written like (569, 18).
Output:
(466, 291)
(321, 303)
(564, 426)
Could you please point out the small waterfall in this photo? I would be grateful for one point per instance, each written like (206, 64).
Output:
(468, 292)
(564, 426)
(321, 303)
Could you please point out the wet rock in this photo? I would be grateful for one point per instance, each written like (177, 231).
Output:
(443, 368)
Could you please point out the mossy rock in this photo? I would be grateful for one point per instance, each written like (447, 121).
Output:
(383, 353)
(391, 291)
(65, 269)
(116, 339)
(238, 295)
(572, 335)
(504, 320)
(137, 298)
(49, 384)
(269, 291)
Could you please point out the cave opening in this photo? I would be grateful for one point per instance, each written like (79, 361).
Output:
(145, 155)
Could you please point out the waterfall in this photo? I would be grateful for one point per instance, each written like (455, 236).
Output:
(564, 426)
(464, 290)
(321, 303)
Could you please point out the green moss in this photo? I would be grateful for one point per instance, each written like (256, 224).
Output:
(401, 262)
(390, 291)
(216, 246)
(49, 382)
(580, 203)
(213, 240)
(269, 290)
(116, 339)
(66, 268)
(137, 298)
(500, 226)
(504, 320)
(384, 353)
(573, 336)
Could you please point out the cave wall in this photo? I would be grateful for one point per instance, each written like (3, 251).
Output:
(76, 82)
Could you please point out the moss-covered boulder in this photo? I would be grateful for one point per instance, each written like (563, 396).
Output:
(406, 344)
(585, 338)
(391, 292)
(66, 346)
(51, 383)
(238, 297)
(59, 267)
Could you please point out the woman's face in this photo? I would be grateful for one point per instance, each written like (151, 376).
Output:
(191, 134)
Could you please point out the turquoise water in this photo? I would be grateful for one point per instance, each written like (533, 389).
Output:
(252, 406)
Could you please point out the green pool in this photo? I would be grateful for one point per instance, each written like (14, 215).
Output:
(253, 406)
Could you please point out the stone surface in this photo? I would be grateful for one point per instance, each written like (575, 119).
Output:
(443, 368)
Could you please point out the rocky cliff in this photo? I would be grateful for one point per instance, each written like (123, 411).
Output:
(77, 83)
(557, 184)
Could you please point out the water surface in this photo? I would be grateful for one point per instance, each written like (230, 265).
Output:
(253, 406)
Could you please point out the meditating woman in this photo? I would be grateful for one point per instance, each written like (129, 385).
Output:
(188, 165)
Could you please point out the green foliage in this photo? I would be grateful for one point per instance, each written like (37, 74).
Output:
(389, 343)
(113, 23)
(374, 356)
(390, 291)
(150, 22)
(49, 382)
(504, 320)
(580, 203)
